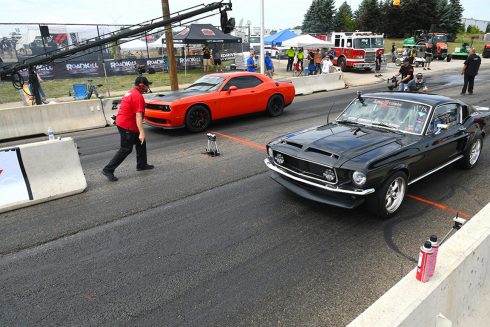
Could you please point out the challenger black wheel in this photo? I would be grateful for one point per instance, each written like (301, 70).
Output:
(472, 154)
(197, 119)
(275, 106)
(388, 199)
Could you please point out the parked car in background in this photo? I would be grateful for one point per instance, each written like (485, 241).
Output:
(378, 146)
(217, 96)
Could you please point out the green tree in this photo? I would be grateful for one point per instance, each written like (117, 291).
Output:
(343, 20)
(368, 16)
(473, 29)
(455, 15)
(418, 15)
(319, 17)
(390, 19)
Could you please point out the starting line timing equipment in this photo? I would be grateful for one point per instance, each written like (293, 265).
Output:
(212, 148)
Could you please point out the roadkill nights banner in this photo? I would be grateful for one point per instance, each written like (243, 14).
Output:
(14, 185)
(80, 69)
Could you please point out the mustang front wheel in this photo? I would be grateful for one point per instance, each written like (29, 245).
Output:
(386, 202)
(472, 154)
(197, 119)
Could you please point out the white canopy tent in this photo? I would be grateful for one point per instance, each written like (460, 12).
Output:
(133, 45)
(160, 43)
(306, 41)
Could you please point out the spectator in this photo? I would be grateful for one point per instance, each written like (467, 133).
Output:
(39, 87)
(318, 61)
(217, 58)
(269, 66)
(251, 66)
(206, 58)
(378, 61)
(290, 53)
(311, 63)
(470, 70)
(428, 56)
(406, 70)
(326, 64)
(300, 57)
(129, 122)
(416, 84)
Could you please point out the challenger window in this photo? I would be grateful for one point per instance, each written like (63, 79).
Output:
(207, 83)
(406, 117)
(447, 114)
(243, 82)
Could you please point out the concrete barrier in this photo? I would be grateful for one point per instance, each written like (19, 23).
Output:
(111, 107)
(51, 170)
(315, 83)
(457, 295)
(61, 117)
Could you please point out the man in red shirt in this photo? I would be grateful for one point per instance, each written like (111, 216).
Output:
(129, 122)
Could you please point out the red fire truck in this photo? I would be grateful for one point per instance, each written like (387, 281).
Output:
(357, 50)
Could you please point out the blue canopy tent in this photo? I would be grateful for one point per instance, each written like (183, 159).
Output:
(276, 39)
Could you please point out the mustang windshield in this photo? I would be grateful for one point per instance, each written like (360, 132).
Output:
(406, 117)
(207, 83)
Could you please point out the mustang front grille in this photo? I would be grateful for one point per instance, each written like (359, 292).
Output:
(313, 170)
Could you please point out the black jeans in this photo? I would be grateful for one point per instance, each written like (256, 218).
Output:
(128, 140)
(290, 64)
(469, 81)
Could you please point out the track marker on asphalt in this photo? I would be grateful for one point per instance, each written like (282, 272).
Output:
(463, 214)
(440, 206)
(239, 140)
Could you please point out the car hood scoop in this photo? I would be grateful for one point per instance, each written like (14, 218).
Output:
(174, 95)
(342, 142)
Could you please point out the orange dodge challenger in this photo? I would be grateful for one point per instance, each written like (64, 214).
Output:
(217, 96)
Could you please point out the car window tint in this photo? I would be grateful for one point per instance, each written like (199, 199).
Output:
(243, 82)
(446, 114)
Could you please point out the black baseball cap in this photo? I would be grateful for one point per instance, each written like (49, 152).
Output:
(142, 80)
(406, 60)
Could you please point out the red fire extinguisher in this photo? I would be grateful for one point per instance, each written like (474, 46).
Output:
(431, 261)
(422, 271)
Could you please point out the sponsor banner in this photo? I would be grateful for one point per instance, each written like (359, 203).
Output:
(14, 185)
(122, 67)
(189, 61)
(227, 56)
(158, 64)
(82, 68)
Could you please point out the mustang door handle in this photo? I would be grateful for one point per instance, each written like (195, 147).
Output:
(462, 129)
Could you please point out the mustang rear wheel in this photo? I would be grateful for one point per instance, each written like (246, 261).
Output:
(197, 119)
(472, 154)
(388, 199)
(275, 106)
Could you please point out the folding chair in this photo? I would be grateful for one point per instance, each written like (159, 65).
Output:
(80, 91)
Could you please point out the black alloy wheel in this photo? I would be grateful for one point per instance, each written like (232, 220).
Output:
(275, 106)
(197, 119)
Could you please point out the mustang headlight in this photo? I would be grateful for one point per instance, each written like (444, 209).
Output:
(329, 175)
(270, 152)
(279, 159)
(359, 178)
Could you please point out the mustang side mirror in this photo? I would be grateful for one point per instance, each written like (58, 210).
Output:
(232, 88)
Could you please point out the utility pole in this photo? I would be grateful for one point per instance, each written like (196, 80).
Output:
(174, 83)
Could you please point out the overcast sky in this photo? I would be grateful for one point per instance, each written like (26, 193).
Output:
(278, 13)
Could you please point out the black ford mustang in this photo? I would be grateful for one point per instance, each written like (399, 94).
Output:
(380, 144)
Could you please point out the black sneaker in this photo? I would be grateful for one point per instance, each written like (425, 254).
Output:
(145, 167)
(462, 93)
(470, 93)
(110, 176)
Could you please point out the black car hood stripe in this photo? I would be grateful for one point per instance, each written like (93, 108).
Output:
(342, 142)
(174, 95)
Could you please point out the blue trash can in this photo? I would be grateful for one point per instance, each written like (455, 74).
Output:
(305, 71)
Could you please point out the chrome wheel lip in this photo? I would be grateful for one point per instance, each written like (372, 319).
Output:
(475, 152)
(395, 194)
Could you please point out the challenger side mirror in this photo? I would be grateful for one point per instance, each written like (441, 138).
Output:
(232, 88)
